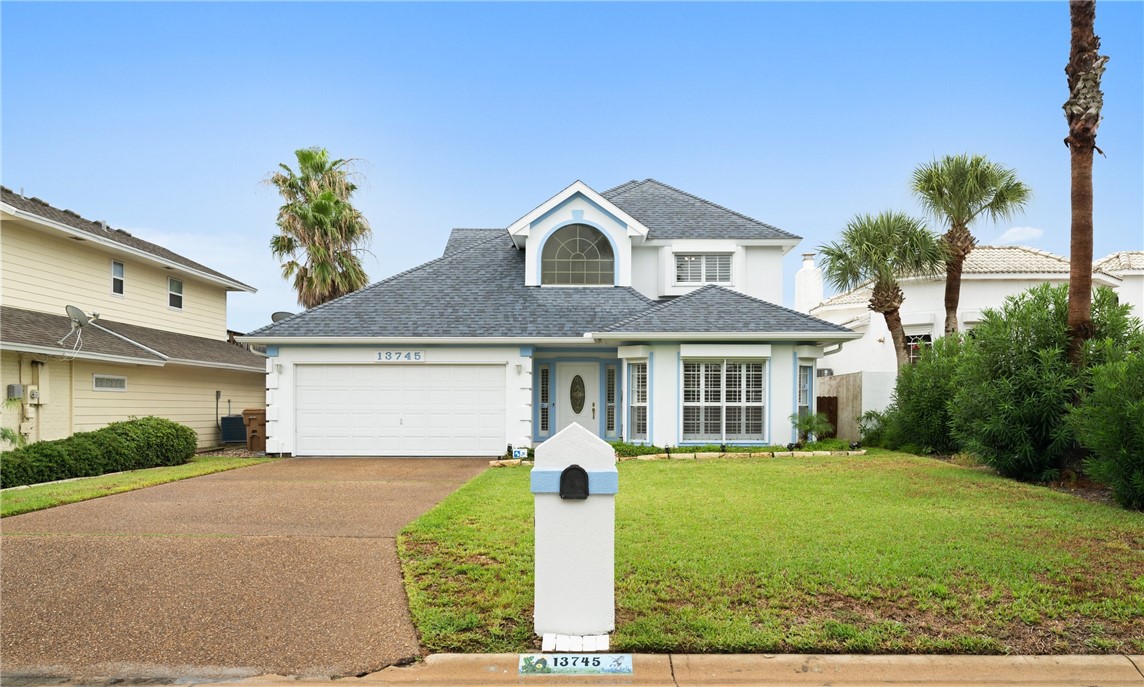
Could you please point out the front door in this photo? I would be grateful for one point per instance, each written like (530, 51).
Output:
(578, 395)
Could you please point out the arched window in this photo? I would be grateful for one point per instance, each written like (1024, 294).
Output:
(577, 254)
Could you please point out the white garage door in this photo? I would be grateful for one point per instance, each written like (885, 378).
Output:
(399, 410)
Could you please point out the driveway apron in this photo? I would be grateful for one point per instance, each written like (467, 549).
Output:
(287, 567)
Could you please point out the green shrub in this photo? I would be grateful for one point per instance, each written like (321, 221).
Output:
(920, 407)
(1015, 385)
(811, 425)
(627, 450)
(1110, 422)
(827, 445)
(872, 429)
(131, 445)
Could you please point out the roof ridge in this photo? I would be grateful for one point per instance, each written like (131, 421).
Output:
(1027, 249)
(721, 207)
(622, 188)
(447, 256)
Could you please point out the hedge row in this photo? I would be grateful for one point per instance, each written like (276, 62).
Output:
(146, 442)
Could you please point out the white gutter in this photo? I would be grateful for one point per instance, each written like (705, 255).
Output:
(80, 354)
(108, 243)
(726, 336)
(413, 340)
(221, 366)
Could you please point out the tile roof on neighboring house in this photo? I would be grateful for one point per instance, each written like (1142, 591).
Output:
(463, 238)
(42, 332)
(669, 213)
(39, 208)
(714, 309)
(1125, 260)
(474, 291)
(984, 260)
(1013, 259)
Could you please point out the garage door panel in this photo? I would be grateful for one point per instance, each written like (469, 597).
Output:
(400, 410)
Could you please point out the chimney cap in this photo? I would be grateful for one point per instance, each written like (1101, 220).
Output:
(807, 255)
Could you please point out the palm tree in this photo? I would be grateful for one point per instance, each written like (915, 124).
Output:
(1082, 110)
(956, 190)
(321, 233)
(880, 250)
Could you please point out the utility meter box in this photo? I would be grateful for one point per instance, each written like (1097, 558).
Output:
(574, 484)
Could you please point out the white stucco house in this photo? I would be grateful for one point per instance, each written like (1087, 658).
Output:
(642, 313)
(862, 373)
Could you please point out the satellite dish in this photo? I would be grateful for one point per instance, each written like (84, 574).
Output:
(78, 317)
(278, 316)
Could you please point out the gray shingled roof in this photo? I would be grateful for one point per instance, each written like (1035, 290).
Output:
(186, 348)
(463, 238)
(669, 213)
(29, 328)
(39, 208)
(714, 309)
(475, 291)
(45, 330)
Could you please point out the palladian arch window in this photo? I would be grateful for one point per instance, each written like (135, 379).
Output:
(577, 254)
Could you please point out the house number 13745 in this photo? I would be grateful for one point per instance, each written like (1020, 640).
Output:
(400, 356)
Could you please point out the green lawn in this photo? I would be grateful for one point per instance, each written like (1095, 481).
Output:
(38, 497)
(885, 553)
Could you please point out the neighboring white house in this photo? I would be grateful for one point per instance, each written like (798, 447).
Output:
(1128, 266)
(643, 313)
(863, 372)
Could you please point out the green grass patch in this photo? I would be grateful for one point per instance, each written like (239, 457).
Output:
(37, 497)
(885, 553)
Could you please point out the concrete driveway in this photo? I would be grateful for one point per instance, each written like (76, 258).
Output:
(287, 567)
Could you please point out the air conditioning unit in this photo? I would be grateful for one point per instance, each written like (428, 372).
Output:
(825, 372)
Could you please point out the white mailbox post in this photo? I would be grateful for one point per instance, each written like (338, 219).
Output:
(574, 482)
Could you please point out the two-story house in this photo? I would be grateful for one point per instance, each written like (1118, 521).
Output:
(642, 313)
(159, 345)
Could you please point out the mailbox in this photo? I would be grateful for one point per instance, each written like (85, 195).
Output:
(574, 483)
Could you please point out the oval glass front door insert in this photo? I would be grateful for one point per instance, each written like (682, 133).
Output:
(576, 394)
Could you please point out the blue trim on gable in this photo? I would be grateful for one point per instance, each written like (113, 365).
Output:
(526, 351)
(271, 351)
(597, 227)
(569, 199)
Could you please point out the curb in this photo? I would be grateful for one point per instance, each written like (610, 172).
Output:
(794, 670)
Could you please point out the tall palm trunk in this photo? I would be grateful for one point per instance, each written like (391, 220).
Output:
(898, 334)
(958, 243)
(887, 299)
(1082, 110)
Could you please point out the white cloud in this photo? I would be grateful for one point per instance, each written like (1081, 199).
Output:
(1017, 235)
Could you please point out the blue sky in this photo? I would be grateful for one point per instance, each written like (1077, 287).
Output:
(164, 118)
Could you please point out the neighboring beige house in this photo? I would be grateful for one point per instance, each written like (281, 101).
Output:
(158, 347)
(862, 373)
